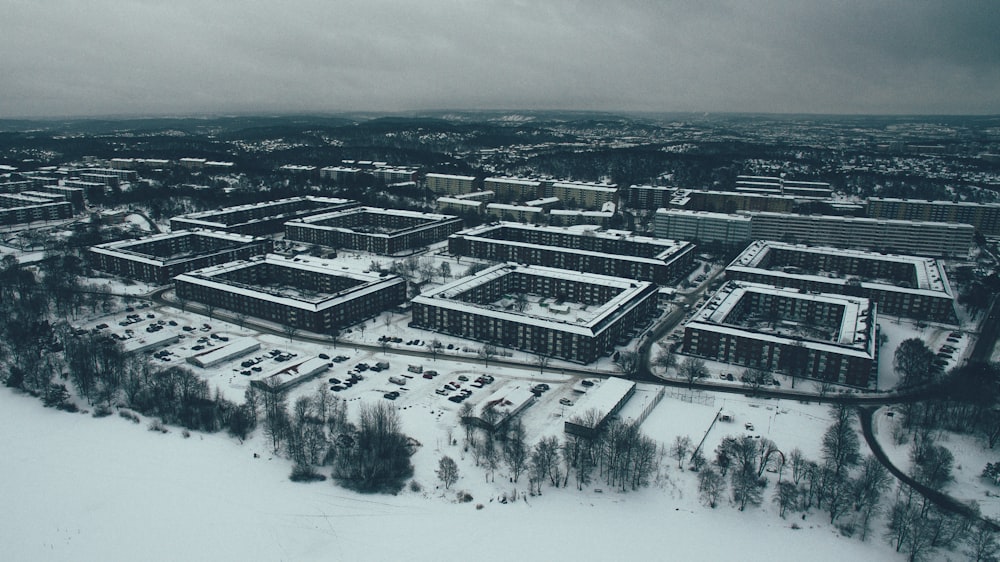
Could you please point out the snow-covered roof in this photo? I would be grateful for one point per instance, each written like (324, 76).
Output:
(602, 398)
(368, 284)
(667, 247)
(600, 187)
(141, 343)
(288, 375)
(506, 401)
(123, 248)
(517, 181)
(856, 324)
(204, 217)
(450, 177)
(706, 214)
(229, 350)
(929, 273)
(935, 203)
(446, 296)
(315, 219)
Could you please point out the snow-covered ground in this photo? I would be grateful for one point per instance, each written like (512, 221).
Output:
(78, 488)
(971, 455)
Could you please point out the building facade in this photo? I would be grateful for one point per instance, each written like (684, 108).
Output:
(985, 217)
(935, 239)
(703, 226)
(447, 184)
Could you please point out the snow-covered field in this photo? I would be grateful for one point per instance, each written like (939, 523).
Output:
(971, 455)
(78, 488)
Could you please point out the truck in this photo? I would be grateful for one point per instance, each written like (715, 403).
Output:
(397, 380)
(415, 369)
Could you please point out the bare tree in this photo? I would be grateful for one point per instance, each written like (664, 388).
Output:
(932, 464)
(665, 360)
(515, 451)
(693, 369)
(913, 360)
(487, 352)
(753, 379)
(786, 496)
(447, 471)
(628, 363)
(289, 331)
(841, 447)
(711, 486)
(434, 347)
(680, 448)
(542, 360)
(868, 488)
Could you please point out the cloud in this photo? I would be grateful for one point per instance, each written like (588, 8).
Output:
(100, 57)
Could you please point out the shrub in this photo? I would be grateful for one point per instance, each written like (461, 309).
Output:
(129, 415)
(157, 425)
(464, 497)
(305, 473)
(101, 411)
(415, 486)
(68, 407)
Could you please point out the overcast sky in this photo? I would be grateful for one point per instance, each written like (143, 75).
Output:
(170, 57)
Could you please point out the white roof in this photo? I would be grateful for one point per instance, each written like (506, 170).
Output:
(446, 295)
(233, 348)
(369, 283)
(602, 398)
(929, 273)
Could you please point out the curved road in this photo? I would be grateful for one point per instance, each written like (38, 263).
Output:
(938, 498)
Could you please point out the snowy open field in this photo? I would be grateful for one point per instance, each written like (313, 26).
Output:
(971, 455)
(78, 488)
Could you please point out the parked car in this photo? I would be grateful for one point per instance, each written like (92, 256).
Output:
(391, 395)
(565, 401)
